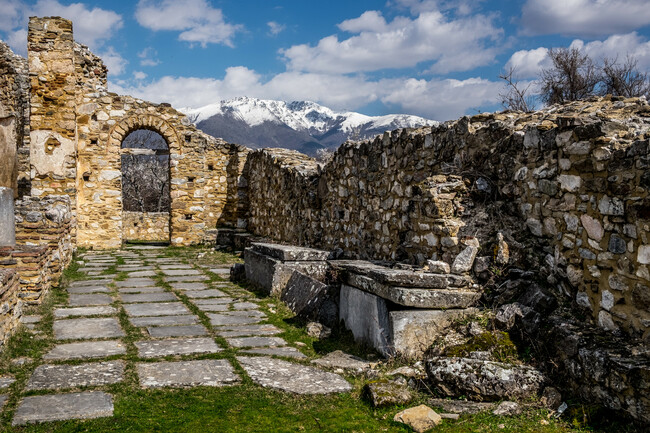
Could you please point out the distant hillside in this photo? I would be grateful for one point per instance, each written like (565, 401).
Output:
(301, 125)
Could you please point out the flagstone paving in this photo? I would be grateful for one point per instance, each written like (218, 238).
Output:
(162, 327)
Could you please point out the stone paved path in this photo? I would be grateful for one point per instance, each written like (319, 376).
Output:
(167, 321)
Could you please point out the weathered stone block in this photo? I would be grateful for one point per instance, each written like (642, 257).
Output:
(288, 253)
(7, 221)
(366, 315)
(311, 299)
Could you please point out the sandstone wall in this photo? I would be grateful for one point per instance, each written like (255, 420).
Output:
(14, 120)
(145, 226)
(47, 221)
(576, 176)
(31, 265)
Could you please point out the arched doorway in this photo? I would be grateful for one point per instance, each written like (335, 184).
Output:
(146, 200)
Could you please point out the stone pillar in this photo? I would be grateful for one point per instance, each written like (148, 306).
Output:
(53, 134)
(7, 218)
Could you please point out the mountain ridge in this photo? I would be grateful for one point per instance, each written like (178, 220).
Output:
(300, 125)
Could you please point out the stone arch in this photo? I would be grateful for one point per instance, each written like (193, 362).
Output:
(144, 121)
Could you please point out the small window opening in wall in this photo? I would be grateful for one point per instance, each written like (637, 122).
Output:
(93, 117)
(93, 141)
(210, 167)
(86, 177)
(341, 214)
(190, 179)
(188, 216)
(135, 224)
(188, 138)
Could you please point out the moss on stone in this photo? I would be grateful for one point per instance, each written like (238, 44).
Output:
(497, 343)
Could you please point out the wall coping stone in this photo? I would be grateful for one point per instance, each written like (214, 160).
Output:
(290, 253)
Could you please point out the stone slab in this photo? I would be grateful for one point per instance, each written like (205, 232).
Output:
(256, 342)
(175, 266)
(198, 294)
(295, 378)
(137, 274)
(290, 253)
(149, 297)
(31, 318)
(97, 282)
(179, 346)
(179, 272)
(59, 407)
(287, 352)
(86, 350)
(141, 290)
(223, 319)
(60, 313)
(189, 286)
(86, 300)
(447, 297)
(245, 306)
(212, 301)
(48, 376)
(214, 308)
(311, 300)
(77, 329)
(366, 315)
(187, 278)
(164, 320)
(247, 330)
(136, 282)
(177, 331)
(156, 309)
(341, 360)
(88, 289)
(220, 271)
(3, 399)
(207, 372)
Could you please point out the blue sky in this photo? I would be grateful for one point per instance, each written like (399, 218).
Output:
(434, 58)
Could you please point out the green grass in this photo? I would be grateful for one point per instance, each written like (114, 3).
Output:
(245, 407)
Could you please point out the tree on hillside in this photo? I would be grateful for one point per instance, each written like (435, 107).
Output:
(624, 79)
(516, 95)
(573, 76)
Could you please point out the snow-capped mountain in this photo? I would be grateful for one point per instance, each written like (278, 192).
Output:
(302, 125)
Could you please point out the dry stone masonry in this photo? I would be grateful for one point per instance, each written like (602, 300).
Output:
(543, 217)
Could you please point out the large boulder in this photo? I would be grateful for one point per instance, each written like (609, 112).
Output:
(482, 380)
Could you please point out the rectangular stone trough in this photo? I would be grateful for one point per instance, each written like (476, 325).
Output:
(401, 311)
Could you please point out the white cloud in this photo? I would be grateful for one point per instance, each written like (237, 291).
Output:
(275, 28)
(584, 17)
(139, 75)
(197, 20)
(453, 45)
(92, 27)
(529, 63)
(148, 57)
(437, 99)
(618, 47)
(115, 63)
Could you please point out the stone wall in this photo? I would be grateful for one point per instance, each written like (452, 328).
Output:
(14, 120)
(76, 138)
(145, 226)
(31, 265)
(10, 304)
(575, 176)
(47, 221)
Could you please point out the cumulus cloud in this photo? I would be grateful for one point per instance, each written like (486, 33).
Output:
(197, 20)
(115, 63)
(618, 47)
(275, 28)
(451, 44)
(584, 17)
(139, 75)
(529, 63)
(91, 26)
(437, 99)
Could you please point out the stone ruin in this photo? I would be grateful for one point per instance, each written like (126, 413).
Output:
(542, 217)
